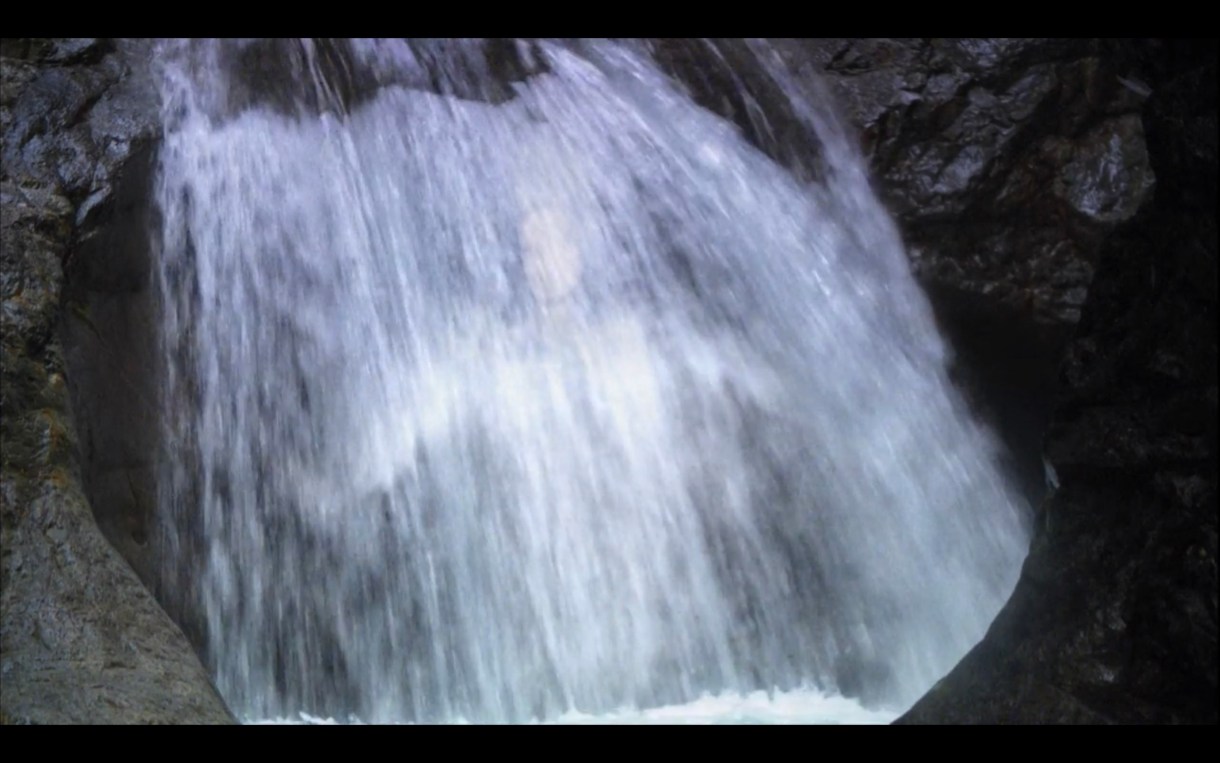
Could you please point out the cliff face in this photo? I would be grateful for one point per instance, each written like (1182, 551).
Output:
(1114, 618)
(82, 640)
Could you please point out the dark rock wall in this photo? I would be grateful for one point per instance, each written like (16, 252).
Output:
(1114, 618)
(81, 639)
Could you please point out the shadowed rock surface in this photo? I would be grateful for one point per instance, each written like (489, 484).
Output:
(1114, 619)
(82, 640)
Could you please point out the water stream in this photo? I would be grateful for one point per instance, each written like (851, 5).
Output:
(551, 406)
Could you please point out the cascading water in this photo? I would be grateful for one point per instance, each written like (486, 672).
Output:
(566, 403)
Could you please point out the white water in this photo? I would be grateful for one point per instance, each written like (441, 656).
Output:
(797, 707)
(544, 409)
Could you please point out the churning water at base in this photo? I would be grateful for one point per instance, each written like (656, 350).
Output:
(802, 706)
(553, 406)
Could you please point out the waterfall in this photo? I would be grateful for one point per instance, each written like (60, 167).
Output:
(558, 396)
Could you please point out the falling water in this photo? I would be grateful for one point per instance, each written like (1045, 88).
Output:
(560, 403)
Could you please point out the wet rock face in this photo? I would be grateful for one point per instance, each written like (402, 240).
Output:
(1114, 618)
(725, 76)
(965, 138)
(1007, 163)
(83, 641)
(305, 77)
